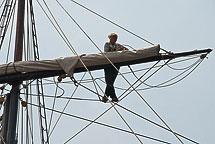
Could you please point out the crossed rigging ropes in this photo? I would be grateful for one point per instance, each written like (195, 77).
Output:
(33, 93)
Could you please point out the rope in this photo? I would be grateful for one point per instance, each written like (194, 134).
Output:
(53, 105)
(80, 99)
(40, 112)
(28, 123)
(6, 15)
(2, 140)
(111, 22)
(161, 85)
(141, 78)
(114, 66)
(11, 31)
(102, 124)
(94, 120)
(157, 86)
(128, 72)
(110, 61)
(149, 104)
(65, 107)
(72, 49)
(121, 27)
(2, 3)
(138, 115)
(126, 123)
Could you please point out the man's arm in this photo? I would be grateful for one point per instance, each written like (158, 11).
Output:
(120, 48)
(106, 47)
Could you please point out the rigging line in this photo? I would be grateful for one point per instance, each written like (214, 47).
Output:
(53, 106)
(121, 118)
(102, 113)
(91, 122)
(29, 37)
(184, 68)
(22, 136)
(100, 51)
(141, 78)
(113, 65)
(43, 99)
(126, 123)
(31, 131)
(158, 86)
(132, 33)
(65, 107)
(34, 33)
(182, 61)
(65, 97)
(138, 115)
(70, 46)
(102, 124)
(11, 31)
(61, 35)
(161, 84)
(40, 113)
(10, 91)
(94, 121)
(18, 119)
(159, 117)
(112, 22)
(92, 41)
(2, 3)
(73, 50)
(126, 45)
(138, 70)
(148, 103)
(7, 16)
(27, 113)
(63, 91)
(27, 124)
(184, 76)
(166, 128)
(124, 73)
(31, 113)
(51, 96)
(40, 86)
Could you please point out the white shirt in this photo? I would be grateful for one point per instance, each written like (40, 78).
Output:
(109, 47)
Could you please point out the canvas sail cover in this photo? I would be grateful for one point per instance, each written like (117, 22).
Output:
(68, 64)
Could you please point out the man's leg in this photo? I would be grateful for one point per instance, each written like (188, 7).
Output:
(110, 77)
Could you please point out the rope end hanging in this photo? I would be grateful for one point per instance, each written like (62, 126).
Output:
(61, 77)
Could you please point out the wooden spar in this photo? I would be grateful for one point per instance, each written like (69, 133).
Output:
(11, 105)
(44, 74)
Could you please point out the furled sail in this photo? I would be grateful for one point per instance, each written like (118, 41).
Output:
(68, 64)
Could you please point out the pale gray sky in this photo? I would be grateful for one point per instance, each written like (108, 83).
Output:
(187, 107)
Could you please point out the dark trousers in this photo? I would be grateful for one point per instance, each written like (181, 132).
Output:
(110, 77)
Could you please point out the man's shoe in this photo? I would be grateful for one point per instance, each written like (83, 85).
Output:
(115, 99)
(104, 99)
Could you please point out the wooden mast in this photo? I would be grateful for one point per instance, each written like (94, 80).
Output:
(11, 104)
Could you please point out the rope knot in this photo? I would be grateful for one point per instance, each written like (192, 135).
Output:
(74, 80)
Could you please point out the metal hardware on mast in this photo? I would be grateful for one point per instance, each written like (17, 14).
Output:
(11, 105)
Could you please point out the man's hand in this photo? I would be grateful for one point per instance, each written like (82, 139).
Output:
(122, 48)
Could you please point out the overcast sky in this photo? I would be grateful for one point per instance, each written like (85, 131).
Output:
(178, 26)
